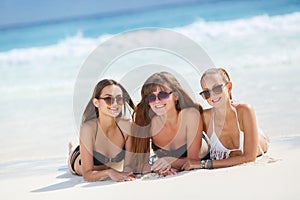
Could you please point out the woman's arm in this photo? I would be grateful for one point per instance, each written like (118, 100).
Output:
(127, 167)
(194, 133)
(194, 128)
(125, 126)
(192, 121)
(86, 151)
(133, 162)
(87, 162)
(249, 127)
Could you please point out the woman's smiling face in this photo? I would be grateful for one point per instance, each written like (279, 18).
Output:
(217, 89)
(162, 106)
(114, 108)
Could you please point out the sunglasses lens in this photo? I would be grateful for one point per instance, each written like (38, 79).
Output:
(217, 89)
(163, 95)
(108, 100)
(111, 100)
(205, 94)
(150, 98)
(120, 100)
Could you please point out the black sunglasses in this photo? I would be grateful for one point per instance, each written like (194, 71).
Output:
(111, 100)
(217, 90)
(161, 96)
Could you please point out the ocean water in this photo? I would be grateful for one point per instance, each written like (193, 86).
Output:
(257, 41)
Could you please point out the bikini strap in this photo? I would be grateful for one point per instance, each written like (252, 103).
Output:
(237, 118)
(96, 129)
(240, 131)
(120, 130)
(117, 126)
(213, 120)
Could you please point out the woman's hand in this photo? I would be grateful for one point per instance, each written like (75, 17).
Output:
(121, 176)
(162, 165)
(172, 171)
(191, 164)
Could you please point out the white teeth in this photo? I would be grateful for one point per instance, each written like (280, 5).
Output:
(216, 100)
(159, 106)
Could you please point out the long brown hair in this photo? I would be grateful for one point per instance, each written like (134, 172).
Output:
(91, 111)
(143, 113)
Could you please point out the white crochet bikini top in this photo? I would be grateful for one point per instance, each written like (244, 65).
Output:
(218, 151)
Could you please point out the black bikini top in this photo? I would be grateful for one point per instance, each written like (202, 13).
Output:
(177, 153)
(100, 159)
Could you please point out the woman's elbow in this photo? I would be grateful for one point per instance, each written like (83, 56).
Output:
(249, 158)
(87, 176)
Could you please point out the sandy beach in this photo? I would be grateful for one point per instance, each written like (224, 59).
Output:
(40, 61)
(273, 176)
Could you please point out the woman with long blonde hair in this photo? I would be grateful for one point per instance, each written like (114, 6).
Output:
(231, 126)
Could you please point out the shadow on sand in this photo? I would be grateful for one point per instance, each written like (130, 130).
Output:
(71, 181)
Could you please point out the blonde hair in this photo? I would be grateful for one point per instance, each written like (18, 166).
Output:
(223, 74)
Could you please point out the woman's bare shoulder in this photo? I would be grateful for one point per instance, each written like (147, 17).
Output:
(89, 124)
(243, 108)
(125, 125)
(190, 111)
(88, 128)
(207, 113)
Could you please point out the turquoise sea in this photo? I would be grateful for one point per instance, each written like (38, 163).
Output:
(257, 41)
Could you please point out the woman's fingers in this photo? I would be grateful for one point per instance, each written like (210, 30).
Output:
(126, 177)
(161, 164)
(129, 178)
(164, 169)
(187, 166)
(184, 166)
(169, 172)
(192, 164)
(156, 165)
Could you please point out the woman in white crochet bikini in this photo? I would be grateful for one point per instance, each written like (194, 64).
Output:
(231, 127)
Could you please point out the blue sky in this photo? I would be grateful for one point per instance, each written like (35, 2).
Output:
(14, 12)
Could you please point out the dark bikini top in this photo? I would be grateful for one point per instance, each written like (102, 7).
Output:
(100, 159)
(177, 153)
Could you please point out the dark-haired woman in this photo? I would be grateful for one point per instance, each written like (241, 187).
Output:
(103, 135)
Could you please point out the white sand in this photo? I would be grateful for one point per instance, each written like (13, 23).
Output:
(264, 179)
